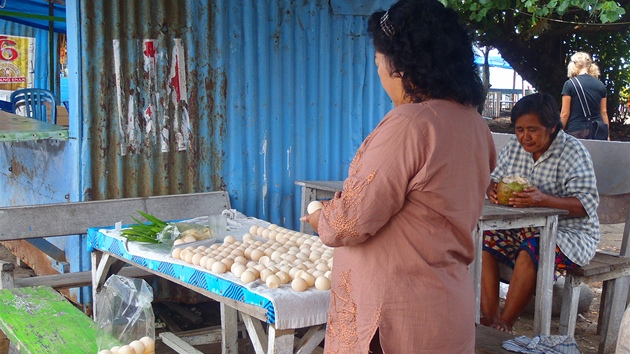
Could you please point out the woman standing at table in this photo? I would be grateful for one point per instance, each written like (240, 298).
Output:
(561, 172)
(415, 189)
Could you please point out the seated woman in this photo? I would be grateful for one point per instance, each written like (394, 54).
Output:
(561, 174)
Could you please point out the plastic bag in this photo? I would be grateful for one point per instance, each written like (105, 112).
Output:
(212, 228)
(124, 314)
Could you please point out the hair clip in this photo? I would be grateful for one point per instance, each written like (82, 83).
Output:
(386, 26)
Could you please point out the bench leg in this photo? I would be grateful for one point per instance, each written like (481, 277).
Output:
(569, 309)
(6, 275)
(615, 300)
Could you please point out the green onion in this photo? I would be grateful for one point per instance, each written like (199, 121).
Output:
(144, 232)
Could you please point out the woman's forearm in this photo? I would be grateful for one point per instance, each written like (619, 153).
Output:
(571, 204)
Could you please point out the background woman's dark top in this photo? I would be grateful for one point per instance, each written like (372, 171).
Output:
(594, 91)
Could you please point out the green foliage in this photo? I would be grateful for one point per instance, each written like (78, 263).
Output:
(537, 36)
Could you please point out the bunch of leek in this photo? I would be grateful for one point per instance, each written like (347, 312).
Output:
(144, 232)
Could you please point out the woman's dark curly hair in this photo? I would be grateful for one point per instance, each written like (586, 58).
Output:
(427, 47)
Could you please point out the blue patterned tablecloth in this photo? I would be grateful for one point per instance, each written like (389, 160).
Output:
(285, 307)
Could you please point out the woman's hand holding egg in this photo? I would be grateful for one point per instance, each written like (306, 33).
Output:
(313, 209)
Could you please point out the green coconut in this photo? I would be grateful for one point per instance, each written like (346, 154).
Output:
(508, 185)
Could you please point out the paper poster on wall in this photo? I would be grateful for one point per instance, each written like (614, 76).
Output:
(17, 55)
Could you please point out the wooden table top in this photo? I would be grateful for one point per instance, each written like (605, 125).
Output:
(15, 128)
(494, 211)
(490, 211)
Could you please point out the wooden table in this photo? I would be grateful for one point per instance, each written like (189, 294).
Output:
(493, 217)
(16, 128)
(500, 217)
(109, 254)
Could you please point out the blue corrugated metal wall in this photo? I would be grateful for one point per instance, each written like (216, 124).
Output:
(273, 92)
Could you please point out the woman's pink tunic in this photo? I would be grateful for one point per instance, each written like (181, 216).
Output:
(402, 231)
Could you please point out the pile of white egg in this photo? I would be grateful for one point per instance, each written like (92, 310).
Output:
(145, 345)
(287, 256)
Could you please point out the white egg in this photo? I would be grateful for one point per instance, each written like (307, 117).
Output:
(137, 346)
(299, 284)
(228, 262)
(253, 229)
(248, 276)
(284, 277)
(293, 271)
(256, 254)
(179, 241)
(196, 258)
(229, 239)
(316, 273)
(240, 259)
(149, 344)
(218, 268)
(115, 349)
(322, 283)
(176, 253)
(265, 273)
(310, 280)
(264, 260)
(314, 206)
(254, 271)
(125, 349)
(273, 281)
(188, 239)
(237, 269)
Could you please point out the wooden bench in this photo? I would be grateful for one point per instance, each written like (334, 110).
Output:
(614, 271)
(39, 320)
(69, 219)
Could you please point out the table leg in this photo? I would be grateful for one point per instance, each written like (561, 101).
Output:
(544, 281)
(256, 333)
(310, 340)
(475, 268)
(103, 265)
(229, 330)
(280, 341)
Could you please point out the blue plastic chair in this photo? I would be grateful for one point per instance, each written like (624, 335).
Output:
(35, 103)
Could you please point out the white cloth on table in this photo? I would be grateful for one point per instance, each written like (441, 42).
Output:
(292, 309)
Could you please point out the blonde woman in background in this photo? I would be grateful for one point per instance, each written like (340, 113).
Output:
(582, 93)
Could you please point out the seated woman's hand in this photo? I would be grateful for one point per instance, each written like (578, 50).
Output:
(491, 192)
(529, 197)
